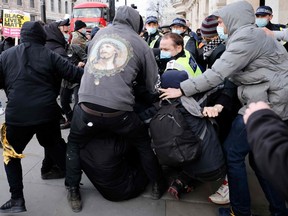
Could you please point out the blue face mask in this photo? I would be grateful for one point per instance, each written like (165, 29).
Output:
(165, 55)
(222, 35)
(83, 31)
(66, 36)
(151, 30)
(261, 22)
(177, 31)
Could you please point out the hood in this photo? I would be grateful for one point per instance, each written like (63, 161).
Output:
(54, 35)
(129, 16)
(33, 32)
(236, 15)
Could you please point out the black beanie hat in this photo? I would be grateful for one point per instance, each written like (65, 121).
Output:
(79, 24)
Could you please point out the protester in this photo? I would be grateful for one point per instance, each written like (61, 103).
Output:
(57, 35)
(106, 100)
(209, 164)
(31, 84)
(79, 34)
(253, 70)
(268, 137)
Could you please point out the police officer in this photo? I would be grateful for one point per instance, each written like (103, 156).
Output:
(152, 36)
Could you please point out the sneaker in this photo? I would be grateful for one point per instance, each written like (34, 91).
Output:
(54, 173)
(66, 125)
(221, 196)
(2, 110)
(74, 199)
(13, 206)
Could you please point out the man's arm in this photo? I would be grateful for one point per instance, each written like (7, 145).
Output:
(237, 56)
(150, 70)
(66, 69)
(268, 136)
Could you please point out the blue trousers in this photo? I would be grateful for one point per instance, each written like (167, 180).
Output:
(236, 149)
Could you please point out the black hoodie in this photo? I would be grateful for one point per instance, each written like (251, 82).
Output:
(30, 74)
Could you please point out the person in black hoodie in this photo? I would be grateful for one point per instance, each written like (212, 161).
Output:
(268, 137)
(31, 85)
(56, 40)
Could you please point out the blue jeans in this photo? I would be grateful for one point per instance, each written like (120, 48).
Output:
(236, 148)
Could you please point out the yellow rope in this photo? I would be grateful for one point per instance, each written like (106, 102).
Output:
(8, 150)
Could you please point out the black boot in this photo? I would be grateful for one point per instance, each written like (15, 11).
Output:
(13, 206)
(54, 173)
(158, 189)
(74, 199)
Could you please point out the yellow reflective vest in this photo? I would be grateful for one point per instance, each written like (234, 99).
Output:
(186, 63)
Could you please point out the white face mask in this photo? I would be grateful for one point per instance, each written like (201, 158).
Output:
(151, 30)
(222, 35)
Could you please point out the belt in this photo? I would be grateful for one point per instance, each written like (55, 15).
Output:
(101, 114)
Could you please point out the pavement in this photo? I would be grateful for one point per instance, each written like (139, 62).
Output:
(48, 197)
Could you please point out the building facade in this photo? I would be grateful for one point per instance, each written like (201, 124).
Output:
(55, 9)
(196, 10)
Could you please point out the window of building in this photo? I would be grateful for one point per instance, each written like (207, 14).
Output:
(32, 18)
(59, 6)
(66, 7)
(32, 5)
(5, 1)
(52, 5)
(19, 2)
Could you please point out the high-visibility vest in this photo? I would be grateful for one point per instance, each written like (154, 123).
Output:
(186, 63)
(153, 42)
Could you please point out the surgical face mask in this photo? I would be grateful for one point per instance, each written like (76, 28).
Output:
(165, 54)
(177, 31)
(66, 36)
(222, 35)
(151, 30)
(83, 31)
(261, 22)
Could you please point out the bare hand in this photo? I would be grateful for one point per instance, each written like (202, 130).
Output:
(253, 107)
(268, 32)
(212, 111)
(81, 64)
(170, 93)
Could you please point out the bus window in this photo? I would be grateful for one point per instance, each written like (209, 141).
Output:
(87, 12)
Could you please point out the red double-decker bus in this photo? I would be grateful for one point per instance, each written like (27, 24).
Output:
(92, 13)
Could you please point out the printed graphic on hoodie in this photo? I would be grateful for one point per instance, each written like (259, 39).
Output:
(109, 55)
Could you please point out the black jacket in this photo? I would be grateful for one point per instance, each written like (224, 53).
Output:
(268, 136)
(30, 74)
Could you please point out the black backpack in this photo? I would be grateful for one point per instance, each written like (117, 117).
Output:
(172, 140)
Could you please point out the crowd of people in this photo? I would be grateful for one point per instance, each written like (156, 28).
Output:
(228, 81)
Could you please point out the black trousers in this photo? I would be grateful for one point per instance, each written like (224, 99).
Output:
(114, 168)
(85, 127)
(48, 136)
(65, 99)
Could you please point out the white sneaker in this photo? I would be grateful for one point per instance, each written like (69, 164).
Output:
(2, 110)
(221, 196)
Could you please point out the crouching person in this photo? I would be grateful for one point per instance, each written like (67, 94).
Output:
(31, 84)
(113, 166)
(192, 144)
